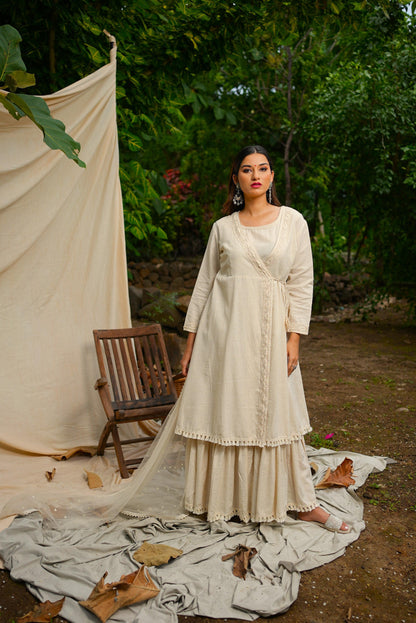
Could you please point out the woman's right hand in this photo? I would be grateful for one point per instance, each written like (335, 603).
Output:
(186, 357)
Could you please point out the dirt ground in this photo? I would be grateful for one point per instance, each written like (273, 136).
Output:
(360, 384)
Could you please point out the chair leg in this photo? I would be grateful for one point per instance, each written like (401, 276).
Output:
(103, 438)
(119, 452)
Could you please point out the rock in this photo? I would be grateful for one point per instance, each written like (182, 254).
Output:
(136, 300)
(182, 303)
(134, 275)
(190, 283)
(164, 311)
(144, 272)
(178, 282)
(150, 294)
(153, 277)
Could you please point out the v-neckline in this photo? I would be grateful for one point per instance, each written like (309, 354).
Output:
(242, 231)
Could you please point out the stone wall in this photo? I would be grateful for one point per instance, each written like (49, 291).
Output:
(160, 290)
(177, 274)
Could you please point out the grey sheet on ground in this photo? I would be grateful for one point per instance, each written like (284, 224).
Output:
(56, 560)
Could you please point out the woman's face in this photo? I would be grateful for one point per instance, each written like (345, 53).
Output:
(254, 176)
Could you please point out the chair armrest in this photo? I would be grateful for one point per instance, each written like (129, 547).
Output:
(101, 382)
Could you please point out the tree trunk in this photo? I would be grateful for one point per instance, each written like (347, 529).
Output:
(52, 52)
(288, 143)
(286, 161)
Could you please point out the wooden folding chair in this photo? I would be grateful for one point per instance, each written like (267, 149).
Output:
(135, 384)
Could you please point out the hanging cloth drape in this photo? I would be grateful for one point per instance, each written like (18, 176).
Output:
(62, 269)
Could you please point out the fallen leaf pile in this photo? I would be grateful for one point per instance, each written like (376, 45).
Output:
(242, 556)
(154, 555)
(106, 599)
(340, 477)
(43, 613)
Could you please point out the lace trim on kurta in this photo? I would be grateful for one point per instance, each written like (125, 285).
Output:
(267, 314)
(279, 441)
(248, 517)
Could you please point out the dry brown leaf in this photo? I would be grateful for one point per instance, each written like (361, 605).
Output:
(50, 475)
(43, 613)
(153, 555)
(94, 481)
(242, 556)
(314, 467)
(340, 477)
(105, 599)
(91, 450)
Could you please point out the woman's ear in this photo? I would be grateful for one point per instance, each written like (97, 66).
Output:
(235, 179)
(272, 176)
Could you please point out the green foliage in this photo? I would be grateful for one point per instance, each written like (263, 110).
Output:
(13, 75)
(141, 205)
(328, 257)
(327, 87)
(317, 441)
(363, 117)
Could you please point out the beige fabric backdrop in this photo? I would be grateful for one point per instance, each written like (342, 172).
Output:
(62, 269)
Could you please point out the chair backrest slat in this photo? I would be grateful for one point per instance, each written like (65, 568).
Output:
(120, 376)
(128, 372)
(156, 359)
(110, 366)
(142, 367)
(170, 385)
(133, 360)
(150, 365)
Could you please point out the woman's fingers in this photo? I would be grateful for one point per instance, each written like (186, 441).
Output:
(292, 364)
(185, 364)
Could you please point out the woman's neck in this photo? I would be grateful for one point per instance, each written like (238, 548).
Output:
(257, 206)
(258, 213)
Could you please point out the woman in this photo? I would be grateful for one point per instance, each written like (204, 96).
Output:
(242, 408)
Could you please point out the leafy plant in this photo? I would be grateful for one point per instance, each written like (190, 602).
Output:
(317, 441)
(13, 76)
(327, 258)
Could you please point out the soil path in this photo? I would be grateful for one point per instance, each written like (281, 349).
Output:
(360, 384)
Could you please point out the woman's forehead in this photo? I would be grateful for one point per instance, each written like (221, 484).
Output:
(254, 160)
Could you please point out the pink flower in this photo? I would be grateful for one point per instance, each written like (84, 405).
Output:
(329, 436)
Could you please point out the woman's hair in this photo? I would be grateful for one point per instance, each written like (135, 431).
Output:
(229, 206)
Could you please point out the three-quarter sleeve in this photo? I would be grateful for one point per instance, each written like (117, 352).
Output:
(209, 268)
(300, 283)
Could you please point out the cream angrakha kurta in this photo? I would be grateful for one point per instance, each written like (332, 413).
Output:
(243, 416)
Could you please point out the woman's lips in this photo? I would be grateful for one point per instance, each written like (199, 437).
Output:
(256, 185)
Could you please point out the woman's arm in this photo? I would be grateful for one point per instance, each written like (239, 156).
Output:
(186, 357)
(292, 347)
(299, 285)
(209, 267)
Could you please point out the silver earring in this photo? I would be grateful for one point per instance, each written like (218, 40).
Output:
(269, 194)
(238, 199)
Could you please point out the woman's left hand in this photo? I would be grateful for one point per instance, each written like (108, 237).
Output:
(292, 347)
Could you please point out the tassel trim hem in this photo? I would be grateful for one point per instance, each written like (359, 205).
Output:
(261, 443)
